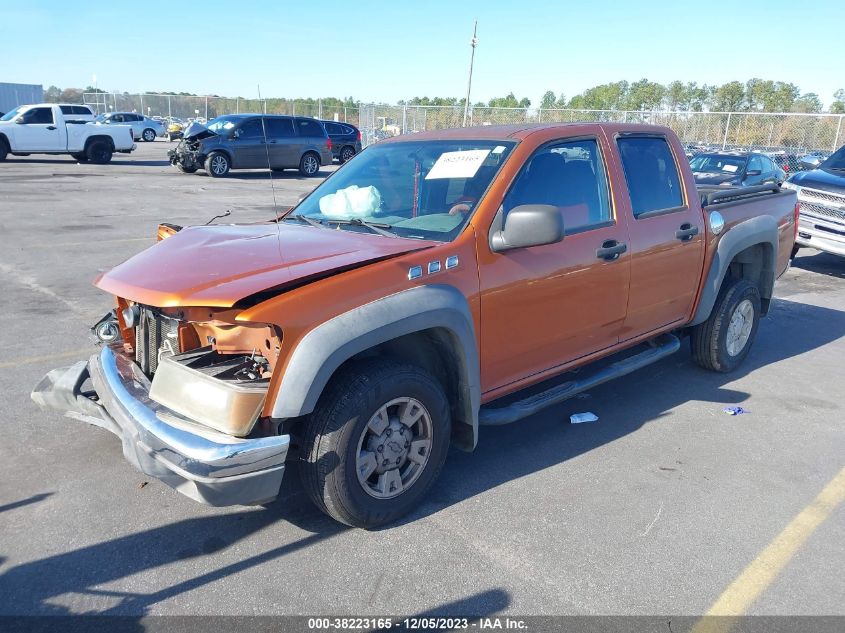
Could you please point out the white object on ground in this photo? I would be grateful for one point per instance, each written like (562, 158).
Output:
(578, 418)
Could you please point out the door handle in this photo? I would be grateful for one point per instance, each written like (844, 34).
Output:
(51, 127)
(611, 250)
(686, 232)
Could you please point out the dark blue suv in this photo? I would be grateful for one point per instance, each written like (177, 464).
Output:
(346, 139)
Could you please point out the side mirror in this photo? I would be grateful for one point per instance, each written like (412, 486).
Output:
(528, 225)
(753, 172)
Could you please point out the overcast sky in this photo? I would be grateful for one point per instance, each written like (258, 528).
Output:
(386, 51)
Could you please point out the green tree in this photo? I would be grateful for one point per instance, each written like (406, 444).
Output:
(808, 102)
(838, 106)
(729, 97)
(677, 96)
(645, 95)
(548, 100)
(52, 94)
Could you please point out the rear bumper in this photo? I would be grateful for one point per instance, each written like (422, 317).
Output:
(201, 463)
(821, 234)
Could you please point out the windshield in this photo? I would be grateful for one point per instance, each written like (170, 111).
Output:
(423, 189)
(717, 163)
(11, 114)
(836, 160)
(221, 124)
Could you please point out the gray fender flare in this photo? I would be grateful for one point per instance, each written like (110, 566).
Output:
(760, 230)
(327, 346)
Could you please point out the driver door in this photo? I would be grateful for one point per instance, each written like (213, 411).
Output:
(249, 150)
(37, 131)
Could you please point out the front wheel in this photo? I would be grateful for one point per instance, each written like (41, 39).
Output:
(309, 165)
(723, 341)
(375, 442)
(185, 170)
(217, 164)
(4, 149)
(149, 135)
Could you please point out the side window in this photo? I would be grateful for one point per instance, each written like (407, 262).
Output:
(252, 129)
(81, 110)
(651, 174)
(279, 128)
(756, 163)
(66, 109)
(309, 127)
(570, 176)
(116, 118)
(39, 116)
(332, 128)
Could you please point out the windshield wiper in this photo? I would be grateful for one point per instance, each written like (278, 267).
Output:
(305, 218)
(376, 227)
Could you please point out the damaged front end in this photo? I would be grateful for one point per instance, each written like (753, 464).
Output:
(188, 155)
(184, 390)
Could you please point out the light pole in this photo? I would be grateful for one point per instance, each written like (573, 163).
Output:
(473, 42)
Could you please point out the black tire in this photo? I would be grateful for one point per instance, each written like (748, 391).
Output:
(709, 340)
(309, 164)
(82, 158)
(4, 149)
(148, 135)
(217, 164)
(99, 152)
(185, 170)
(346, 153)
(334, 431)
(795, 250)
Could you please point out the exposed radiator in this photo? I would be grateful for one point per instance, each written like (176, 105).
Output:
(154, 335)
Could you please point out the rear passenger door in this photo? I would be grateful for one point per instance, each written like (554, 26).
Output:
(282, 142)
(666, 235)
(312, 135)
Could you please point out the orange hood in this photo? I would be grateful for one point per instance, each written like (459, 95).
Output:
(216, 266)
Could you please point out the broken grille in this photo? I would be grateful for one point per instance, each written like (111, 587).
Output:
(154, 335)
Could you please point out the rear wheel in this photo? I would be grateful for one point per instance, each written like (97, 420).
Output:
(346, 153)
(309, 164)
(375, 443)
(149, 135)
(82, 158)
(99, 152)
(723, 341)
(217, 164)
(4, 149)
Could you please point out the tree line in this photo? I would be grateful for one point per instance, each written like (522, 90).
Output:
(755, 95)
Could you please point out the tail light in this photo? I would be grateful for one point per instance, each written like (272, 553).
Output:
(358, 135)
(328, 143)
(797, 213)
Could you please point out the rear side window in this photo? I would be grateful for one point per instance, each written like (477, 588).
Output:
(80, 110)
(651, 174)
(279, 128)
(66, 109)
(334, 128)
(309, 127)
(570, 176)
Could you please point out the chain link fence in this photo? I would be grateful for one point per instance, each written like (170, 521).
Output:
(206, 108)
(786, 132)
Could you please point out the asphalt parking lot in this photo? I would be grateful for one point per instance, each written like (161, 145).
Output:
(656, 508)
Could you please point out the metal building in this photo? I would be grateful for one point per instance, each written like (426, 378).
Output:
(13, 95)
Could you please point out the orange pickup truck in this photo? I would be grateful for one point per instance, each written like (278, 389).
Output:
(436, 283)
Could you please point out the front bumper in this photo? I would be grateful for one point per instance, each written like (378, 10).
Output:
(201, 463)
(821, 234)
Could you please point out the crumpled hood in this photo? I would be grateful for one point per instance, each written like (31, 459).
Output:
(216, 266)
(710, 178)
(197, 131)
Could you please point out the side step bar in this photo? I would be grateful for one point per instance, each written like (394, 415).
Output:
(662, 346)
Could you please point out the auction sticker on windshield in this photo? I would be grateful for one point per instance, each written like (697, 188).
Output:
(462, 164)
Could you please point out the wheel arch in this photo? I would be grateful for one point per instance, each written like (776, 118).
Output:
(747, 251)
(99, 137)
(429, 326)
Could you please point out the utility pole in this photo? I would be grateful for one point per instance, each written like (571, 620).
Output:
(473, 42)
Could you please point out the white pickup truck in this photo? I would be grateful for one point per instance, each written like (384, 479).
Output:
(44, 129)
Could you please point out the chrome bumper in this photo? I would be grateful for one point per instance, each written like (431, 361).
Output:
(201, 463)
(821, 234)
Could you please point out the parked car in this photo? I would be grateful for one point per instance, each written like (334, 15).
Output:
(813, 160)
(788, 162)
(735, 169)
(43, 128)
(821, 201)
(374, 324)
(175, 130)
(346, 139)
(237, 141)
(143, 128)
